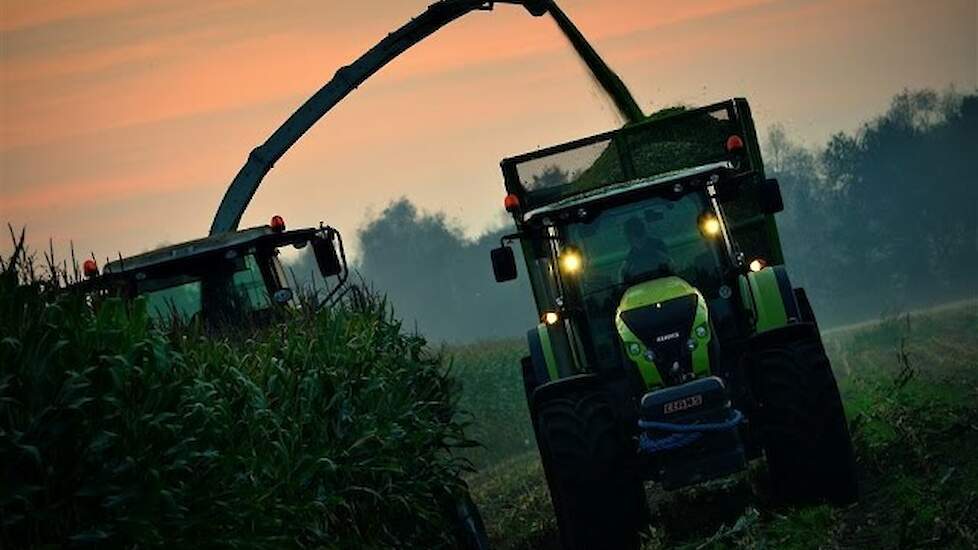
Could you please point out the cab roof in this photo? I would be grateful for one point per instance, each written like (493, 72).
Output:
(602, 193)
(206, 245)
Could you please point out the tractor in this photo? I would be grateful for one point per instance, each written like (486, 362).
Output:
(672, 346)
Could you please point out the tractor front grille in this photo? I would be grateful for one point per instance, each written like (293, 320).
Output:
(665, 328)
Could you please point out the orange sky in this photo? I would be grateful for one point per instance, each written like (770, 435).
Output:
(122, 122)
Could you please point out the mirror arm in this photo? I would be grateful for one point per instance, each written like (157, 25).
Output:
(507, 239)
(344, 273)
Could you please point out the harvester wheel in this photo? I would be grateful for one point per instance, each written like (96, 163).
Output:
(584, 450)
(801, 420)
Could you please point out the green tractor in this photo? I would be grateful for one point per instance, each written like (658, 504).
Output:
(672, 345)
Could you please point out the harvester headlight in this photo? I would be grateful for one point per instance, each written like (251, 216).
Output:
(709, 225)
(551, 317)
(701, 331)
(757, 264)
(571, 261)
(650, 355)
(691, 344)
(634, 348)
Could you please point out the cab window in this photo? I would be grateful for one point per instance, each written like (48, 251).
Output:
(171, 297)
(225, 287)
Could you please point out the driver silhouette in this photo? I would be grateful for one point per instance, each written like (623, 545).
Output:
(648, 256)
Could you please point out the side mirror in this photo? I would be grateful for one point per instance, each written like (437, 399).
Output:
(326, 257)
(769, 197)
(503, 264)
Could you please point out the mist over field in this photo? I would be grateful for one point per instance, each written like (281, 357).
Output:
(878, 221)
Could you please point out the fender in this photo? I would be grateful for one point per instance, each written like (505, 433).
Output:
(769, 297)
(542, 354)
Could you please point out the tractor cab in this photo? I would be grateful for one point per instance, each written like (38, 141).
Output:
(654, 242)
(229, 278)
(633, 238)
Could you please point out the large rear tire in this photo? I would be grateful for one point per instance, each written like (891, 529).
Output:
(800, 417)
(598, 500)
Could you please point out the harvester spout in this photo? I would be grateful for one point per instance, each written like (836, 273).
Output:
(437, 15)
(608, 79)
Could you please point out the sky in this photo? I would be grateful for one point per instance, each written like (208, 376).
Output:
(123, 122)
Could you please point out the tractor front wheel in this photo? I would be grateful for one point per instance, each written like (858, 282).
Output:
(800, 418)
(584, 449)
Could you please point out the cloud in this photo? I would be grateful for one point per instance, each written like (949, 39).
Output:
(194, 70)
(25, 15)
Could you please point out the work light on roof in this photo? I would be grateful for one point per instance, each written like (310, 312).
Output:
(90, 268)
(277, 224)
(735, 144)
(511, 202)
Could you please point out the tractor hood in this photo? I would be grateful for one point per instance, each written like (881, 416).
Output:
(665, 330)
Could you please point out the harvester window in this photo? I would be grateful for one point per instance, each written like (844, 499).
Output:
(173, 297)
(226, 286)
(249, 285)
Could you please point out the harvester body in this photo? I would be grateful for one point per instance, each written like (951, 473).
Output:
(229, 279)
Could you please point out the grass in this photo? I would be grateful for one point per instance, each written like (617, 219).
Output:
(910, 386)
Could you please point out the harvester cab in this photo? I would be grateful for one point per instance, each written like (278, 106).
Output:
(227, 279)
(671, 345)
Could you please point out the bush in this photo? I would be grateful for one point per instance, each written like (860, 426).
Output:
(331, 429)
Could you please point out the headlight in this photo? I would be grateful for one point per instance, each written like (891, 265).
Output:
(571, 261)
(757, 264)
(709, 224)
(551, 317)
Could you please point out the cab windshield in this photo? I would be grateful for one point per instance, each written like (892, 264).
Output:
(226, 286)
(635, 242)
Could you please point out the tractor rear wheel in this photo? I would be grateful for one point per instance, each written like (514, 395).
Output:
(598, 500)
(801, 420)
